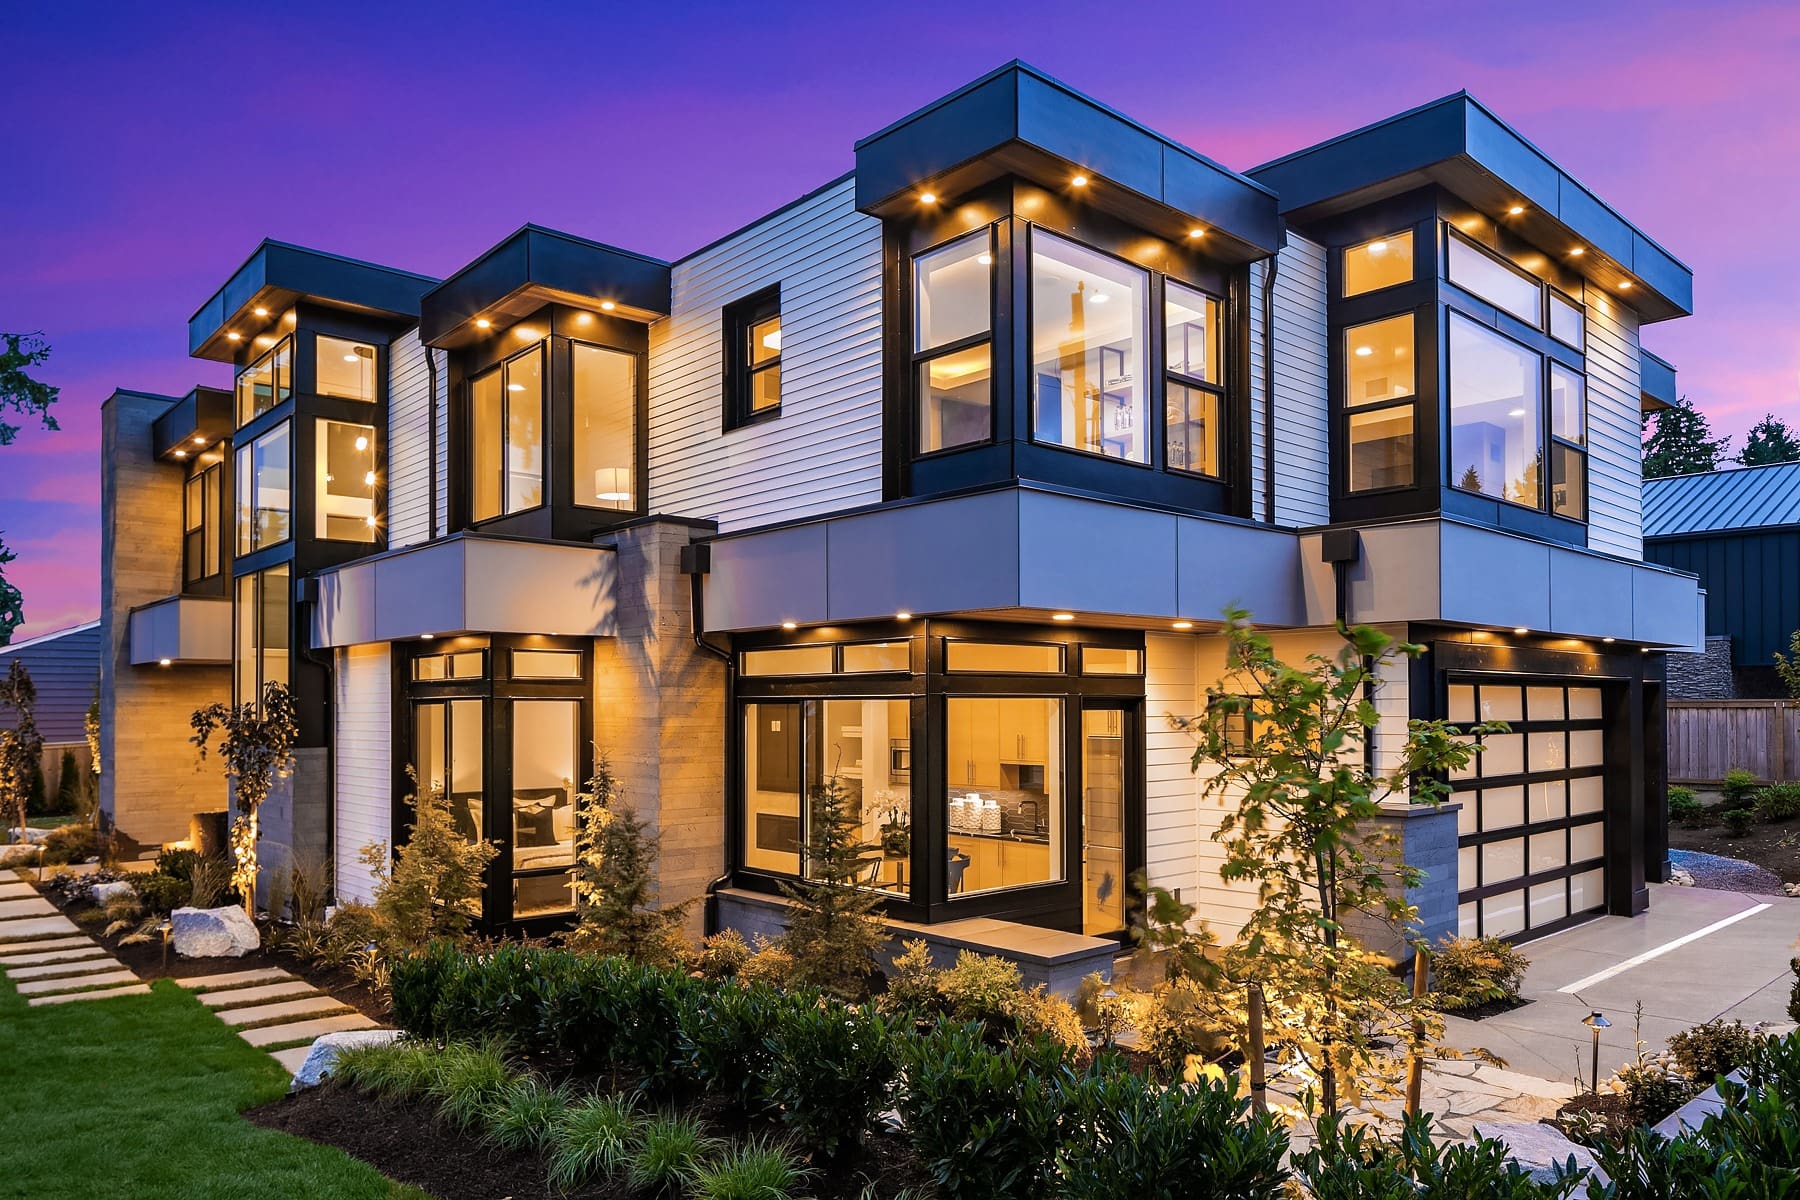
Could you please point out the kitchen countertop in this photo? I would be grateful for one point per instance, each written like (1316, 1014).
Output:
(1030, 839)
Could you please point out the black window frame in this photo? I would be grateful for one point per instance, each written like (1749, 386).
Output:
(918, 359)
(740, 318)
(1409, 232)
(1542, 324)
(1347, 409)
(1159, 412)
(202, 526)
(1554, 441)
(286, 341)
(540, 347)
(257, 583)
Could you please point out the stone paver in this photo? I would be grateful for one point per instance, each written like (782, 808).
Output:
(38, 987)
(233, 979)
(16, 891)
(25, 906)
(54, 970)
(239, 997)
(258, 1014)
(31, 928)
(274, 1035)
(292, 1060)
(54, 950)
(138, 989)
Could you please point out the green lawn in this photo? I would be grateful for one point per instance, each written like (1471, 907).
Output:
(51, 822)
(139, 1097)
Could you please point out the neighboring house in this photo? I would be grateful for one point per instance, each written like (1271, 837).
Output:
(1739, 531)
(65, 669)
(939, 480)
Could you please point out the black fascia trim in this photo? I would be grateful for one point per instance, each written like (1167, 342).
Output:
(1458, 142)
(203, 412)
(551, 266)
(278, 273)
(1017, 120)
(1657, 377)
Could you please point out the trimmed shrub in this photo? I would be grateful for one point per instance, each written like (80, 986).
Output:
(1352, 1162)
(1738, 820)
(757, 1170)
(1474, 971)
(1737, 788)
(669, 1150)
(1653, 1089)
(1684, 807)
(984, 989)
(720, 956)
(421, 982)
(985, 1121)
(725, 1038)
(162, 894)
(1778, 802)
(1715, 1048)
(596, 1135)
(832, 1071)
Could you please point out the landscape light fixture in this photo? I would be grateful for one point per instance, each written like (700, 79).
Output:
(1596, 1021)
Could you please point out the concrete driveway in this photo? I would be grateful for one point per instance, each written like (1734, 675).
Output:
(1695, 955)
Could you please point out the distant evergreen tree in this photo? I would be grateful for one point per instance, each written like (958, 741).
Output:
(1682, 442)
(1770, 441)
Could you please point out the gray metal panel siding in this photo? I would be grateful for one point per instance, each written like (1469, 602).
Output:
(1752, 583)
(1722, 501)
(409, 442)
(1302, 387)
(1615, 455)
(66, 669)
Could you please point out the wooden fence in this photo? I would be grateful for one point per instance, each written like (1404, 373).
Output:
(1710, 737)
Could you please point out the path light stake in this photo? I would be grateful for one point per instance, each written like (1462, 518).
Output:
(1259, 1088)
(1596, 1021)
(1415, 1066)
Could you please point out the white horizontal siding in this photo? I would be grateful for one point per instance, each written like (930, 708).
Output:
(1259, 273)
(824, 451)
(362, 761)
(409, 442)
(1615, 456)
(1302, 387)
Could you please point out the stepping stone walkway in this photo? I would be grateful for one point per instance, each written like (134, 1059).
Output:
(275, 1011)
(50, 960)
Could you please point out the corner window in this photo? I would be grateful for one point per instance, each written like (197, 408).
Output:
(952, 343)
(506, 437)
(1003, 791)
(344, 482)
(605, 426)
(1380, 381)
(1196, 396)
(265, 383)
(546, 741)
(448, 753)
(1496, 405)
(264, 490)
(1568, 443)
(344, 369)
(1381, 262)
(1568, 320)
(261, 622)
(201, 548)
(753, 363)
(1089, 352)
(1495, 280)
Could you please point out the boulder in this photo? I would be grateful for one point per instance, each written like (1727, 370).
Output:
(1541, 1149)
(19, 854)
(1681, 877)
(325, 1050)
(1790, 889)
(212, 932)
(104, 893)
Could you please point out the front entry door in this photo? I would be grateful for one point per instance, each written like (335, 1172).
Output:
(1106, 734)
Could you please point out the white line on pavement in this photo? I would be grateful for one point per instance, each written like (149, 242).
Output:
(1658, 952)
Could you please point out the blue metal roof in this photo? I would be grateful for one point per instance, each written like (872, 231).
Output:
(1721, 501)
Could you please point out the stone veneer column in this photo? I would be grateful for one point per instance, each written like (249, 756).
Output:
(659, 709)
(151, 779)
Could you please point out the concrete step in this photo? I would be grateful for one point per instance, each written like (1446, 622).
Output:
(38, 987)
(32, 929)
(57, 970)
(136, 989)
(239, 997)
(275, 1035)
(25, 906)
(285, 1010)
(232, 979)
(76, 949)
(292, 1060)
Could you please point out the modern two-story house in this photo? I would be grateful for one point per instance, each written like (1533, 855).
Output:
(938, 481)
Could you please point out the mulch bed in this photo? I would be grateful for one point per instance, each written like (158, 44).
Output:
(404, 1140)
(1610, 1107)
(1774, 847)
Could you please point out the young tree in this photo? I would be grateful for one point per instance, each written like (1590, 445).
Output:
(1682, 443)
(431, 888)
(21, 746)
(1298, 797)
(1787, 666)
(615, 878)
(1770, 441)
(257, 746)
(30, 398)
(833, 932)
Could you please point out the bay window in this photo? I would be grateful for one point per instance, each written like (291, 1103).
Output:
(260, 618)
(952, 343)
(264, 490)
(344, 482)
(1381, 387)
(1193, 344)
(546, 740)
(1089, 352)
(506, 436)
(1496, 413)
(605, 427)
(265, 383)
(1495, 280)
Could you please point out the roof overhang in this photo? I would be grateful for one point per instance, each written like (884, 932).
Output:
(535, 267)
(1459, 144)
(276, 275)
(1019, 121)
(200, 419)
(468, 583)
(1656, 383)
(180, 631)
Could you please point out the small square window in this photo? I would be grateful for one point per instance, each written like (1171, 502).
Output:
(1378, 263)
(1240, 725)
(753, 358)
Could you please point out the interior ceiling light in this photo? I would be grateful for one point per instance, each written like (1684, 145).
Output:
(483, 323)
(351, 358)
(515, 387)
(369, 521)
(607, 306)
(1079, 181)
(1099, 298)
(1364, 351)
(362, 443)
(1377, 247)
(1515, 210)
(985, 259)
(1062, 616)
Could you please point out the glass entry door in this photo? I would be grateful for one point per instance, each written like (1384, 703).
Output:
(1106, 732)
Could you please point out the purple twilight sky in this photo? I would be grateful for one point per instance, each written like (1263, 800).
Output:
(151, 146)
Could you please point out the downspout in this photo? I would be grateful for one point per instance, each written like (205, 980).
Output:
(696, 563)
(327, 661)
(431, 370)
(1268, 365)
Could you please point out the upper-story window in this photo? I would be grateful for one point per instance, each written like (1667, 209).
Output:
(1568, 321)
(506, 436)
(1380, 403)
(1568, 446)
(344, 368)
(1496, 410)
(261, 618)
(1498, 282)
(266, 382)
(1089, 352)
(1193, 345)
(953, 343)
(265, 469)
(344, 482)
(201, 546)
(604, 398)
(1378, 263)
(753, 365)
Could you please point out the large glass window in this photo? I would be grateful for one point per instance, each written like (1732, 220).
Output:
(546, 736)
(1496, 281)
(201, 545)
(1496, 406)
(1004, 791)
(344, 482)
(1568, 320)
(506, 437)
(448, 758)
(605, 427)
(261, 623)
(1088, 350)
(1568, 444)
(1194, 346)
(344, 368)
(264, 490)
(952, 329)
(1380, 385)
(1378, 263)
(265, 383)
